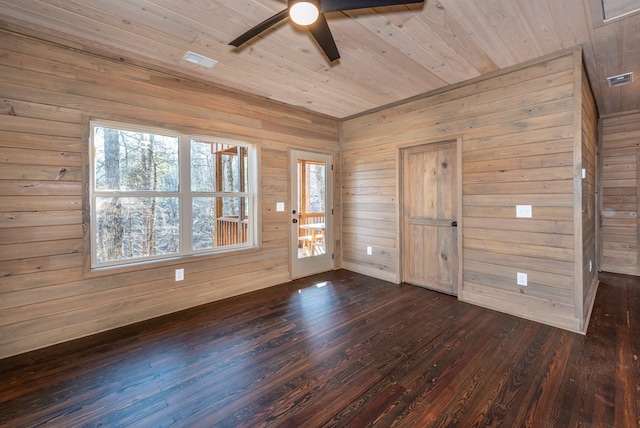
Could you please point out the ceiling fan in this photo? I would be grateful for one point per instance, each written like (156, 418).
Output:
(310, 14)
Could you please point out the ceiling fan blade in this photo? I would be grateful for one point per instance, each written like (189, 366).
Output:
(321, 32)
(338, 5)
(264, 25)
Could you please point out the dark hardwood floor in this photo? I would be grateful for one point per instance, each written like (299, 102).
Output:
(339, 349)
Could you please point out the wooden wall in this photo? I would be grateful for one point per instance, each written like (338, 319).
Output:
(586, 185)
(47, 294)
(521, 144)
(620, 157)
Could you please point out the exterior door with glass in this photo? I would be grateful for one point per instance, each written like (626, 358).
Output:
(311, 213)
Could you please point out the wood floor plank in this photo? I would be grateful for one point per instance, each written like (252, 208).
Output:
(339, 349)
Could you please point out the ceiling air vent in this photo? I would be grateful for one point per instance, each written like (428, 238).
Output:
(619, 80)
(199, 59)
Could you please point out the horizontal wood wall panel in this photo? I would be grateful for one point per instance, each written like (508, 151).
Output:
(39, 157)
(555, 266)
(11, 123)
(48, 95)
(45, 203)
(13, 107)
(38, 280)
(23, 140)
(508, 165)
(620, 232)
(518, 131)
(500, 175)
(513, 224)
(39, 264)
(38, 234)
(38, 249)
(544, 278)
(359, 242)
(364, 230)
(40, 172)
(541, 187)
(24, 219)
(502, 280)
(560, 134)
(507, 212)
(39, 188)
(504, 235)
(545, 200)
(529, 250)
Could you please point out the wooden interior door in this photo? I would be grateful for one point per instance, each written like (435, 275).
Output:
(430, 249)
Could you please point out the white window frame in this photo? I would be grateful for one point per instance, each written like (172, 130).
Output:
(184, 194)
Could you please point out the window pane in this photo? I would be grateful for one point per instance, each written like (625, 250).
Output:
(126, 160)
(232, 224)
(217, 167)
(129, 228)
(203, 166)
(204, 223)
(234, 207)
(218, 222)
(230, 172)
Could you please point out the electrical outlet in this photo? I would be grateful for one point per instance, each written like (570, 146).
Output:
(179, 274)
(369, 250)
(523, 211)
(521, 279)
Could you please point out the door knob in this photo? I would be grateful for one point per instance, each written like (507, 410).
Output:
(295, 220)
(454, 224)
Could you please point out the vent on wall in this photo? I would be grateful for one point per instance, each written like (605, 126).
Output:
(619, 80)
(618, 9)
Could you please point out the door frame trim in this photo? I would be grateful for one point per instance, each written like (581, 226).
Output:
(457, 144)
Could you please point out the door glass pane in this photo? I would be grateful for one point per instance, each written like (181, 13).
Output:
(312, 203)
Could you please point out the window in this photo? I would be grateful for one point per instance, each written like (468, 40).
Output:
(158, 194)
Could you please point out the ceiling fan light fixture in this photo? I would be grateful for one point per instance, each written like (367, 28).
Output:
(304, 13)
(310, 14)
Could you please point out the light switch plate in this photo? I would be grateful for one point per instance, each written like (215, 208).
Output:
(280, 207)
(524, 211)
(521, 279)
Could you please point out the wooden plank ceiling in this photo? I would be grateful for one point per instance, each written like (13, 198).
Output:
(387, 54)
